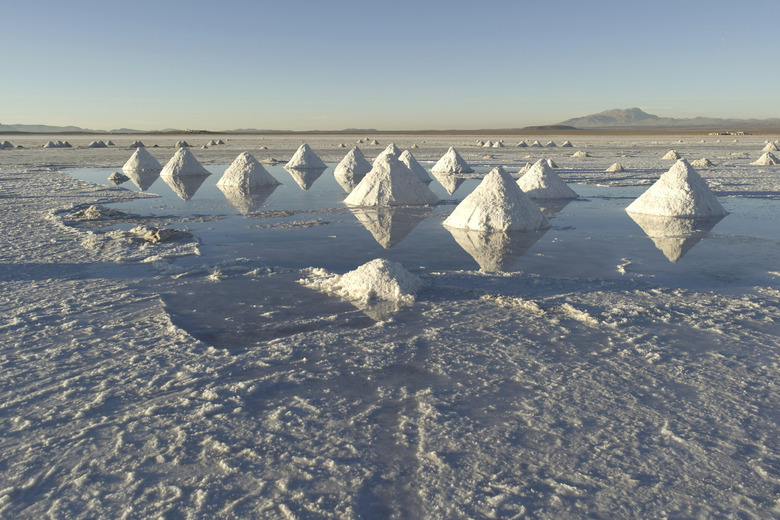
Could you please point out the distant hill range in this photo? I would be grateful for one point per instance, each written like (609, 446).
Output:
(635, 118)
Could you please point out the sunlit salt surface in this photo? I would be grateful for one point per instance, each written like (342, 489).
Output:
(303, 223)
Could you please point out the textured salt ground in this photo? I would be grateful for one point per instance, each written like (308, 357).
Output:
(495, 396)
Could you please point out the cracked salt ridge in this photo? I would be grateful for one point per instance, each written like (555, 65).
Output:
(478, 411)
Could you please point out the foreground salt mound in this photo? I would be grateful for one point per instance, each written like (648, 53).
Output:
(246, 172)
(767, 159)
(672, 155)
(616, 167)
(680, 192)
(391, 149)
(305, 158)
(452, 162)
(497, 204)
(541, 182)
(391, 183)
(183, 163)
(408, 159)
(352, 169)
(141, 161)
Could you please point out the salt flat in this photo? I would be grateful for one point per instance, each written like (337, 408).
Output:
(141, 380)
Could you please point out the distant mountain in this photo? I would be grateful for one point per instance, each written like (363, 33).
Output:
(49, 129)
(636, 118)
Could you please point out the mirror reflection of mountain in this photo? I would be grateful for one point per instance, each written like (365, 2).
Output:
(184, 186)
(551, 207)
(674, 236)
(496, 251)
(143, 179)
(245, 199)
(449, 182)
(390, 225)
(305, 178)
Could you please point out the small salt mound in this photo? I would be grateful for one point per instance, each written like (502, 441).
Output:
(246, 172)
(141, 161)
(181, 144)
(378, 279)
(118, 178)
(342, 145)
(551, 163)
(536, 144)
(580, 153)
(183, 163)
(541, 182)
(305, 158)
(220, 141)
(97, 144)
(6, 145)
(550, 144)
(408, 159)
(391, 183)
(680, 192)
(672, 155)
(137, 144)
(414, 146)
(497, 204)
(374, 142)
(702, 163)
(212, 143)
(522, 144)
(480, 143)
(487, 144)
(351, 170)
(498, 144)
(767, 159)
(524, 169)
(770, 147)
(616, 167)
(567, 144)
(109, 143)
(391, 149)
(452, 162)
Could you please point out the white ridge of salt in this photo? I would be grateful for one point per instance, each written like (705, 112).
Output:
(408, 159)
(451, 162)
(541, 182)
(672, 155)
(390, 183)
(680, 192)
(551, 163)
(497, 204)
(246, 172)
(616, 167)
(183, 163)
(305, 158)
(141, 161)
(767, 159)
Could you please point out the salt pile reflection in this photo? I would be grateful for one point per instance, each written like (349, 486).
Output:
(674, 236)
(245, 199)
(305, 178)
(389, 225)
(496, 251)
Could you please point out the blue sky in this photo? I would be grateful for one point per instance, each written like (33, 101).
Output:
(394, 65)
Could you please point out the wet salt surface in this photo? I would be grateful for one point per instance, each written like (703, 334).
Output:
(591, 237)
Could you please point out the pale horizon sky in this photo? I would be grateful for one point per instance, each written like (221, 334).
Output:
(331, 65)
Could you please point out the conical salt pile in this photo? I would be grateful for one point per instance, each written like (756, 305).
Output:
(567, 144)
(770, 147)
(616, 167)
(136, 144)
(581, 153)
(522, 144)
(452, 162)
(181, 144)
(680, 192)
(541, 182)
(183, 163)
(391, 149)
(305, 158)
(524, 169)
(550, 144)
(391, 183)
(536, 144)
(702, 163)
(487, 144)
(551, 163)
(408, 159)
(672, 155)
(246, 172)
(498, 144)
(141, 161)
(768, 159)
(351, 170)
(497, 204)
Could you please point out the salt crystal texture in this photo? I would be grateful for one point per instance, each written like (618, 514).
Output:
(497, 204)
(672, 155)
(246, 172)
(141, 161)
(408, 159)
(541, 182)
(680, 192)
(767, 159)
(391, 183)
(305, 158)
(351, 170)
(452, 162)
(183, 163)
